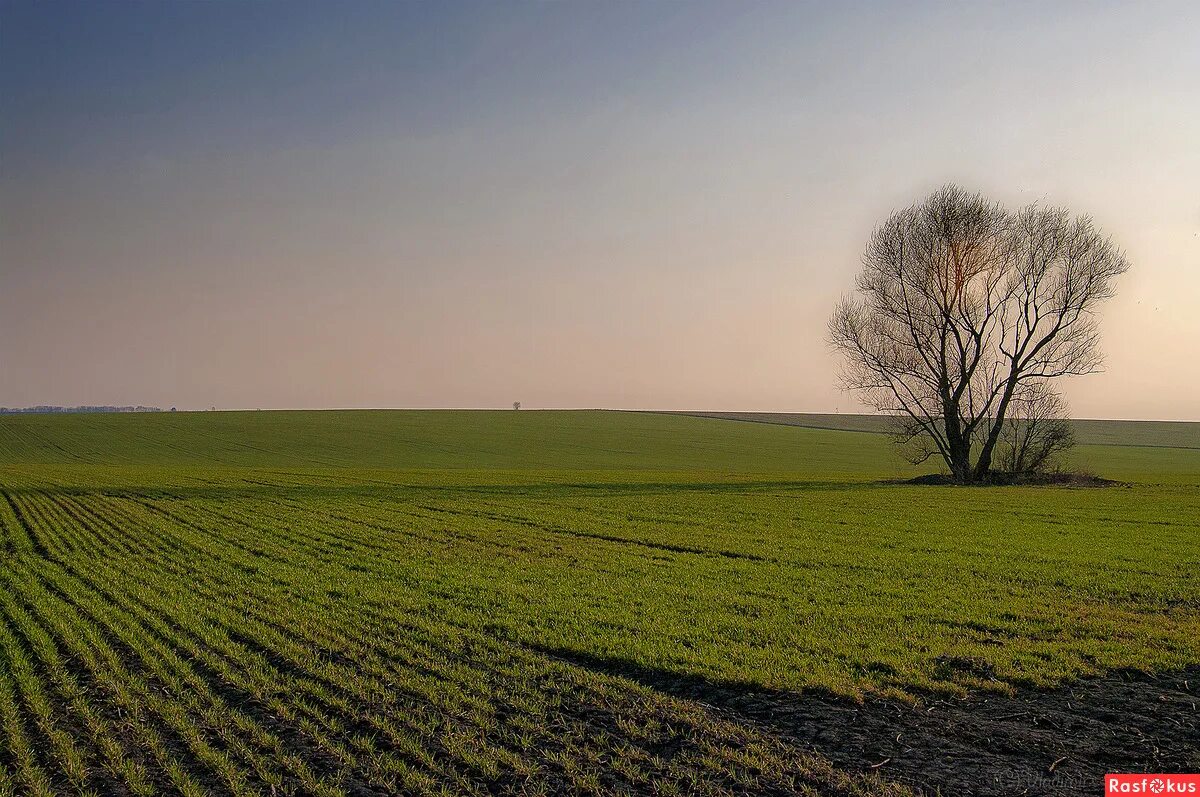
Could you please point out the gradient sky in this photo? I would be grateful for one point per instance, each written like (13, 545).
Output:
(575, 204)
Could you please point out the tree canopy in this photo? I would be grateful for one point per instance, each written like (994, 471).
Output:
(964, 316)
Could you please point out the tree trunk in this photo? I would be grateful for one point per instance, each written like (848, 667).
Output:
(960, 462)
(958, 444)
(984, 465)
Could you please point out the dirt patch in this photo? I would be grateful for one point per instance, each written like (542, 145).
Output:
(1056, 742)
(1008, 480)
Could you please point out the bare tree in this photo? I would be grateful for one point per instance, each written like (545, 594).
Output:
(960, 306)
(516, 405)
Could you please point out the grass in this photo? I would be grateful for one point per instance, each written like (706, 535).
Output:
(1154, 434)
(474, 602)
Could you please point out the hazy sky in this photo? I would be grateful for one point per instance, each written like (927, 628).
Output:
(573, 204)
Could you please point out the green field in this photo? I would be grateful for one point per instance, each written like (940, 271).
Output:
(451, 602)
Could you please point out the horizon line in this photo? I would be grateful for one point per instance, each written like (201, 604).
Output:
(71, 410)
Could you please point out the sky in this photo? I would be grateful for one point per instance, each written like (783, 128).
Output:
(570, 204)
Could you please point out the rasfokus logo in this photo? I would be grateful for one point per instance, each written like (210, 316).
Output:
(1152, 784)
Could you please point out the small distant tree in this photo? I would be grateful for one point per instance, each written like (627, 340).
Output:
(516, 405)
(965, 314)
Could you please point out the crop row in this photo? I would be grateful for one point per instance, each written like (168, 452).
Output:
(156, 646)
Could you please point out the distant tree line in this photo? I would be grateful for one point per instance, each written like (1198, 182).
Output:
(44, 409)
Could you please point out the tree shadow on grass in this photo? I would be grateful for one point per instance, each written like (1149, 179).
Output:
(1038, 742)
(357, 487)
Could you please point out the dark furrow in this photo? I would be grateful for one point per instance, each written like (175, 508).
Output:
(35, 540)
(73, 712)
(173, 755)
